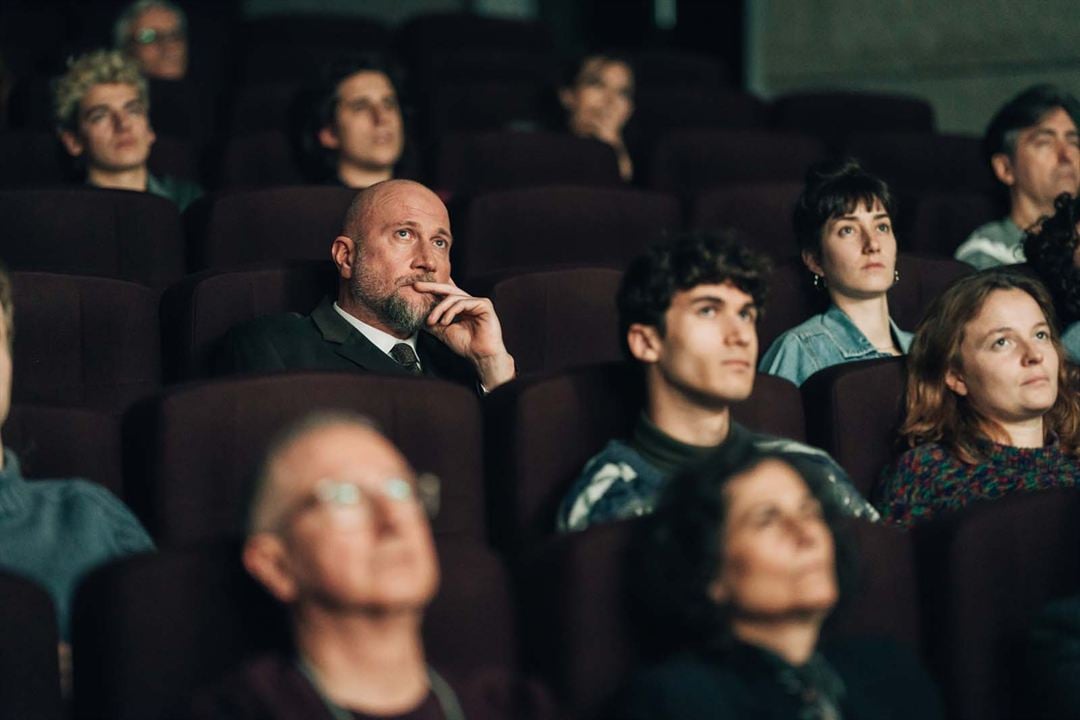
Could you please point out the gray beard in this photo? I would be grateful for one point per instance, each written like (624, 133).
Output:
(392, 310)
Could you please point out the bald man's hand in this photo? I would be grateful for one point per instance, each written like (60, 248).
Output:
(469, 326)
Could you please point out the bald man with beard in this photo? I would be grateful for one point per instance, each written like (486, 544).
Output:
(397, 309)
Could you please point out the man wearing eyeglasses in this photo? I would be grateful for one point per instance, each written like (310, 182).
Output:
(154, 33)
(337, 531)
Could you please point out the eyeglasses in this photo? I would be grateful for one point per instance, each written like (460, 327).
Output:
(350, 505)
(150, 36)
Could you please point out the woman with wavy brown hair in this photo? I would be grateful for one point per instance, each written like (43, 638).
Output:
(992, 405)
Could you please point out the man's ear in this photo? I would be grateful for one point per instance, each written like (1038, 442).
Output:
(71, 143)
(341, 252)
(1002, 166)
(644, 342)
(810, 260)
(718, 592)
(955, 382)
(265, 560)
(328, 138)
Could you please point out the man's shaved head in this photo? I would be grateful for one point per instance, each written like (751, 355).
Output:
(359, 214)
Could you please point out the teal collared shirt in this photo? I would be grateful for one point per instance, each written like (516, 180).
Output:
(55, 531)
(820, 342)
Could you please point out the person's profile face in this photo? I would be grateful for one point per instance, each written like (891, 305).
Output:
(778, 555)
(158, 43)
(1046, 161)
(858, 253)
(708, 351)
(367, 132)
(113, 129)
(353, 528)
(1008, 362)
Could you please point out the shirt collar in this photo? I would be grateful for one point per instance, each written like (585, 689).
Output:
(851, 342)
(379, 338)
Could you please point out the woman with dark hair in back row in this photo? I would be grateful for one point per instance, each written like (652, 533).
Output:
(735, 576)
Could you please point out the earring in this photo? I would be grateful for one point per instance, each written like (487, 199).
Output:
(895, 276)
(819, 281)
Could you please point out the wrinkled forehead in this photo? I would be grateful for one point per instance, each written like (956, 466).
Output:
(407, 203)
(110, 94)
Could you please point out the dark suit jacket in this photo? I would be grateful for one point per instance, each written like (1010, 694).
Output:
(324, 340)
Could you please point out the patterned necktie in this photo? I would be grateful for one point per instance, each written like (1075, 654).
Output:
(403, 353)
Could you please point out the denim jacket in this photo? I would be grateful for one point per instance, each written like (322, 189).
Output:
(820, 342)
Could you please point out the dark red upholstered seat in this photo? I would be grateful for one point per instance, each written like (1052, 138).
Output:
(271, 224)
(985, 572)
(762, 211)
(834, 115)
(58, 443)
(943, 220)
(198, 311)
(553, 225)
(853, 411)
(191, 450)
(920, 161)
(150, 630)
(84, 341)
(472, 163)
(262, 159)
(688, 161)
(29, 671)
(556, 319)
(112, 233)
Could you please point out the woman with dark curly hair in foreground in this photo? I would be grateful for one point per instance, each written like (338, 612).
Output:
(734, 577)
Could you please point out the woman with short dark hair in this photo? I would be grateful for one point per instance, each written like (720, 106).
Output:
(843, 223)
(735, 576)
(992, 408)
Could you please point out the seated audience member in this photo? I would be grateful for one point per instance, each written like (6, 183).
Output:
(1033, 150)
(102, 116)
(353, 133)
(735, 575)
(843, 222)
(55, 531)
(154, 34)
(599, 100)
(337, 532)
(991, 407)
(688, 313)
(1053, 252)
(393, 258)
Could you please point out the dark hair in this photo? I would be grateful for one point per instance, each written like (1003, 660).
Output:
(1050, 249)
(689, 260)
(834, 188)
(934, 413)
(571, 71)
(315, 107)
(677, 553)
(1023, 111)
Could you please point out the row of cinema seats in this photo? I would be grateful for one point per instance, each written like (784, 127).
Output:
(140, 238)
(683, 161)
(149, 630)
(101, 343)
